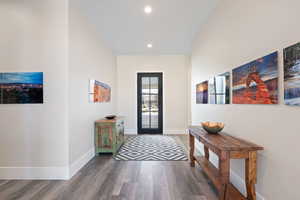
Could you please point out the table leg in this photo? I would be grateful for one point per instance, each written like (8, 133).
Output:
(224, 169)
(192, 150)
(206, 152)
(251, 175)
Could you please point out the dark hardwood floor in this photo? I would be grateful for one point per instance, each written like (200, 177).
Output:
(103, 178)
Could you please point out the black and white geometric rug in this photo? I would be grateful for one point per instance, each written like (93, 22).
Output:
(151, 148)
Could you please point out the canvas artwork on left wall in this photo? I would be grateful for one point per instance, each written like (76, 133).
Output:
(99, 92)
(21, 88)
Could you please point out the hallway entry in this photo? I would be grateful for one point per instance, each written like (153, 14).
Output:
(149, 106)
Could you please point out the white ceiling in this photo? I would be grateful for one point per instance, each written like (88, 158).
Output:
(126, 29)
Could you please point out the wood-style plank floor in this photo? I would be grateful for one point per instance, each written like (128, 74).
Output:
(103, 178)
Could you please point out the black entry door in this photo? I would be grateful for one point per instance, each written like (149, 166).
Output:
(150, 113)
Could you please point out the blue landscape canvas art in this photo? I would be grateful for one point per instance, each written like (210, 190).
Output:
(292, 75)
(202, 93)
(21, 88)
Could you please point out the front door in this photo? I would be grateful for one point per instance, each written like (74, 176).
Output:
(150, 113)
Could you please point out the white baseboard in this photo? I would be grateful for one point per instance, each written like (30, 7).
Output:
(175, 132)
(80, 162)
(46, 173)
(34, 173)
(165, 132)
(130, 132)
(235, 179)
(239, 183)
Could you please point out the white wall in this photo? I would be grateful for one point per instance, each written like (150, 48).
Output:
(89, 59)
(175, 94)
(33, 138)
(236, 33)
(55, 139)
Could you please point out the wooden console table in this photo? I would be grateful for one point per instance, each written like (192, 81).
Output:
(226, 147)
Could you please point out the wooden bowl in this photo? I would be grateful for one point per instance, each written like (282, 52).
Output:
(213, 127)
(111, 117)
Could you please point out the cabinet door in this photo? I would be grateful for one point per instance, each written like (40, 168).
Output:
(105, 137)
(120, 132)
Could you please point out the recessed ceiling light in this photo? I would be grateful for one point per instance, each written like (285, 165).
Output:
(148, 9)
(149, 45)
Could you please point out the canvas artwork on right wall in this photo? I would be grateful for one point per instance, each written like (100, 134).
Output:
(202, 93)
(292, 75)
(257, 81)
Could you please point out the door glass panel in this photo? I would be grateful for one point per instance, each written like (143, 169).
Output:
(145, 103)
(154, 103)
(154, 119)
(145, 119)
(154, 111)
(145, 111)
(145, 85)
(154, 85)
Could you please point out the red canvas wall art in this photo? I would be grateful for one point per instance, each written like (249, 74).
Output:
(99, 92)
(257, 81)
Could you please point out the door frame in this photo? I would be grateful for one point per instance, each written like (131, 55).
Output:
(159, 130)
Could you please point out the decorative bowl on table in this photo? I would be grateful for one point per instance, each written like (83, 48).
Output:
(110, 116)
(213, 127)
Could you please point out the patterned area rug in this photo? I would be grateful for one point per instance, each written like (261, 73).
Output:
(151, 148)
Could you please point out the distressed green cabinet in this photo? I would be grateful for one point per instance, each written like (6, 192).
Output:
(109, 135)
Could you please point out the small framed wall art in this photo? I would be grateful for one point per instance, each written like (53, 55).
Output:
(99, 92)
